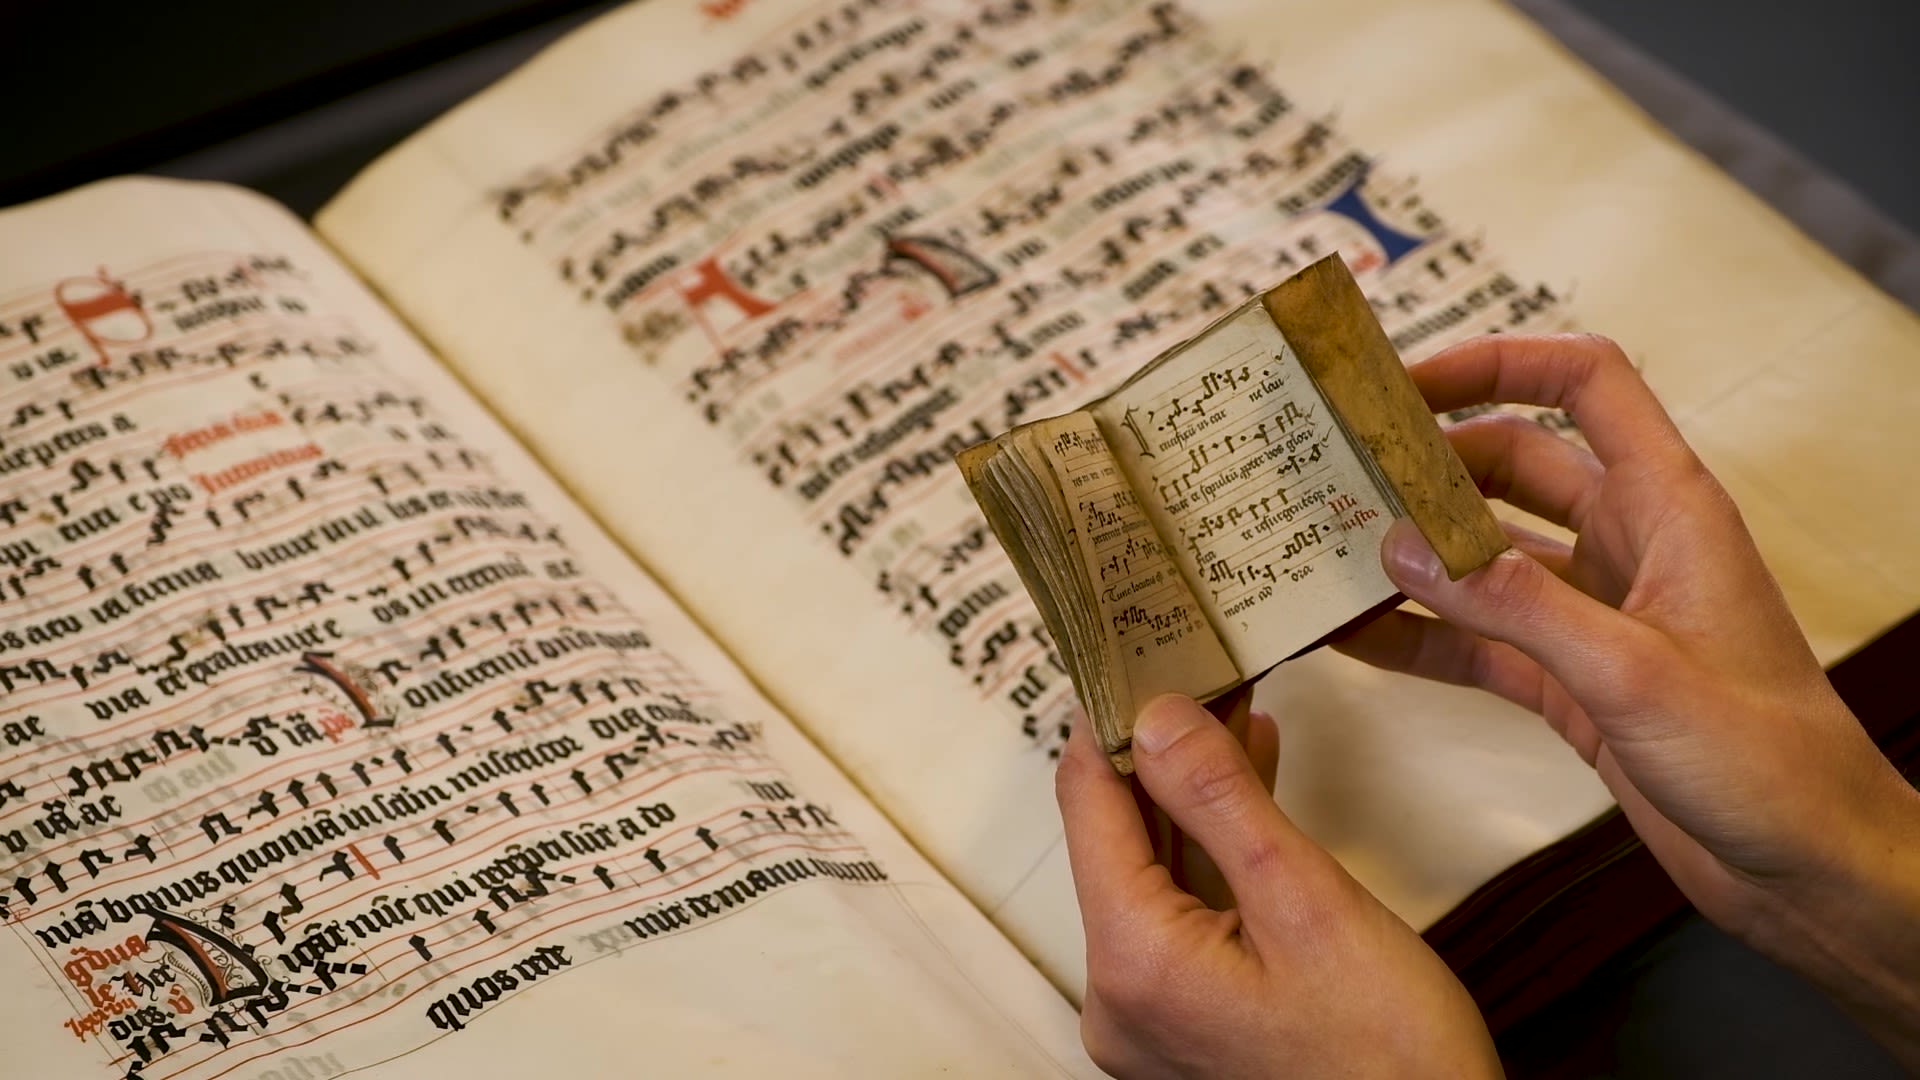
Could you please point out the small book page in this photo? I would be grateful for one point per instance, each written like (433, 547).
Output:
(1156, 637)
(1243, 468)
(334, 737)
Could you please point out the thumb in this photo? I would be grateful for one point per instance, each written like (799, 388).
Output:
(1198, 775)
(1591, 648)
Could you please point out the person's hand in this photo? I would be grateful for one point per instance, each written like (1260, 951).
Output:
(1661, 648)
(1221, 941)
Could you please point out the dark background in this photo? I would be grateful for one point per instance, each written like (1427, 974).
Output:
(99, 88)
(1839, 80)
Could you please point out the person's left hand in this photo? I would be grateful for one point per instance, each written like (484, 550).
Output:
(1221, 941)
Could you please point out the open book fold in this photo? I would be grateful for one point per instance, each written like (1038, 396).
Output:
(1222, 509)
(531, 619)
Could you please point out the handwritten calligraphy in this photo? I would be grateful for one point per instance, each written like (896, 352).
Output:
(895, 228)
(313, 721)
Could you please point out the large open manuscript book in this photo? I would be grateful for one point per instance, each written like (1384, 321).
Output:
(533, 620)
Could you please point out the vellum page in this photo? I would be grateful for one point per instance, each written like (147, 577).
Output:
(337, 739)
(1157, 640)
(1271, 512)
(748, 279)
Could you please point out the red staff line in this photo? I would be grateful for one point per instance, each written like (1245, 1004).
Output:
(47, 480)
(335, 501)
(197, 527)
(343, 754)
(469, 847)
(1065, 255)
(553, 207)
(298, 767)
(619, 615)
(534, 820)
(42, 296)
(54, 482)
(137, 386)
(493, 956)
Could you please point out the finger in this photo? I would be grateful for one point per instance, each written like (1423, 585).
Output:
(1523, 464)
(1107, 844)
(1432, 649)
(1201, 779)
(1192, 869)
(1233, 709)
(1548, 552)
(1595, 651)
(1588, 376)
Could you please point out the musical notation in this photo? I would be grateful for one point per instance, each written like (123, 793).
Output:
(1251, 472)
(979, 242)
(1139, 590)
(305, 703)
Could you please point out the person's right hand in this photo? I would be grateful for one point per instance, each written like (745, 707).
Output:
(1661, 648)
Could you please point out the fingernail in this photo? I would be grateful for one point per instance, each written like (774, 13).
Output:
(1165, 719)
(1408, 558)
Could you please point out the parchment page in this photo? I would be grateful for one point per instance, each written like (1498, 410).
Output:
(1270, 510)
(335, 738)
(771, 263)
(1157, 639)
